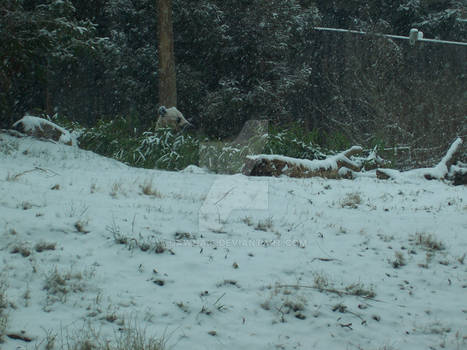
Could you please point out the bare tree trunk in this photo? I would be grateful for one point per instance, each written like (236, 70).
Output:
(167, 78)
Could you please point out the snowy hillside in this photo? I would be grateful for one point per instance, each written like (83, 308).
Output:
(89, 245)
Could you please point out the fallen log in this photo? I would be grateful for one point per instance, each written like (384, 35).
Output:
(43, 129)
(333, 167)
(443, 170)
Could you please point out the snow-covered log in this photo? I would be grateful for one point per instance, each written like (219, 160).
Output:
(43, 129)
(337, 166)
(444, 169)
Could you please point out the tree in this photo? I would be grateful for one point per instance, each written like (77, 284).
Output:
(43, 45)
(167, 77)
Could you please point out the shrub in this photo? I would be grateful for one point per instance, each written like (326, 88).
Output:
(110, 138)
(294, 141)
(164, 149)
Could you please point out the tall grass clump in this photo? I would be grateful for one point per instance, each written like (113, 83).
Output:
(129, 337)
(3, 307)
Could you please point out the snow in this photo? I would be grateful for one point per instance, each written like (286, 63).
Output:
(441, 170)
(240, 253)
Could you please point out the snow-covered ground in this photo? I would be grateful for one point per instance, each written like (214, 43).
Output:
(227, 262)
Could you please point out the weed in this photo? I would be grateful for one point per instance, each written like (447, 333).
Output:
(247, 220)
(7, 147)
(43, 246)
(160, 247)
(50, 339)
(182, 306)
(181, 236)
(148, 190)
(3, 307)
(119, 238)
(130, 337)
(59, 284)
(399, 260)
(115, 189)
(284, 302)
(358, 289)
(427, 242)
(12, 232)
(27, 296)
(351, 200)
(320, 281)
(75, 211)
(80, 226)
(339, 307)
(228, 283)
(26, 205)
(21, 248)
(264, 225)
(461, 259)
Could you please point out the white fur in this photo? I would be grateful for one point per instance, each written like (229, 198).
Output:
(172, 118)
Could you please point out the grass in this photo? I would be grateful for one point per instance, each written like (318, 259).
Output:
(359, 289)
(116, 189)
(427, 241)
(129, 337)
(3, 307)
(9, 147)
(80, 226)
(59, 284)
(323, 284)
(461, 259)
(148, 189)
(145, 244)
(399, 260)
(44, 246)
(285, 301)
(264, 225)
(21, 248)
(351, 200)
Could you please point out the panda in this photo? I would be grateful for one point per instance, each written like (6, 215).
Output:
(171, 118)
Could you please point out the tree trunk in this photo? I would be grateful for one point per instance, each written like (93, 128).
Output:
(167, 78)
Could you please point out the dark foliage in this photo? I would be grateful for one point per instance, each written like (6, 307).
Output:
(240, 60)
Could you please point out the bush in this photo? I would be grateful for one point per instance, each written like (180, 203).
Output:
(294, 142)
(161, 148)
(111, 138)
(164, 149)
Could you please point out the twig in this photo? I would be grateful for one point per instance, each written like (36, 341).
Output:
(219, 299)
(32, 170)
(348, 325)
(48, 170)
(324, 259)
(19, 337)
(329, 290)
(225, 195)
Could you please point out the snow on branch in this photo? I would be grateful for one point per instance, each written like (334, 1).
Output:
(43, 128)
(441, 171)
(337, 166)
